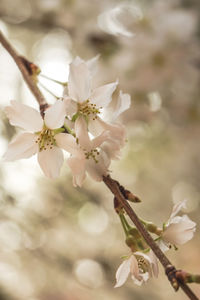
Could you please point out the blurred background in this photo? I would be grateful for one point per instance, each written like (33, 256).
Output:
(58, 242)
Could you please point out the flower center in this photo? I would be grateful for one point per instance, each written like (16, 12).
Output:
(87, 109)
(143, 264)
(46, 139)
(93, 154)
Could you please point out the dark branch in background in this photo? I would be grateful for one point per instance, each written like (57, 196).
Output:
(24, 67)
(170, 270)
(175, 277)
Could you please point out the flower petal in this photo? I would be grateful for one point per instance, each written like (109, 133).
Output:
(77, 165)
(176, 208)
(98, 169)
(92, 64)
(50, 161)
(154, 263)
(179, 232)
(67, 142)
(102, 95)
(22, 146)
(82, 134)
(123, 272)
(24, 116)
(123, 103)
(55, 115)
(79, 81)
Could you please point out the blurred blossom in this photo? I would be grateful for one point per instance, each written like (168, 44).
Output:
(183, 190)
(93, 219)
(89, 273)
(48, 5)
(116, 20)
(10, 236)
(16, 11)
(155, 101)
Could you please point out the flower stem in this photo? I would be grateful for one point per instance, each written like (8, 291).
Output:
(54, 80)
(50, 92)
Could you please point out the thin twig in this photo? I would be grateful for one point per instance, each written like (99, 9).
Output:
(169, 268)
(27, 77)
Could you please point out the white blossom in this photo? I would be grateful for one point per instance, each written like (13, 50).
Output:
(87, 154)
(179, 229)
(93, 104)
(43, 136)
(141, 266)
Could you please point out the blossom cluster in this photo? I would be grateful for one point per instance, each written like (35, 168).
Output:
(82, 122)
(143, 264)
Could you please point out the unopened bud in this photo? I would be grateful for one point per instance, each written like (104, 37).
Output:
(130, 241)
(134, 232)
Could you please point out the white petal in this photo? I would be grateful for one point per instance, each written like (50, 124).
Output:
(109, 21)
(102, 95)
(154, 263)
(77, 167)
(68, 143)
(79, 81)
(117, 131)
(92, 64)
(99, 169)
(123, 103)
(134, 269)
(55, 115)
(22, 146)
(50, 161)
(143, 278)
(24, 116)
(123, 272)
(176, 208)
(82, 134)
(96, 142)
(71, 106)
(181, 232)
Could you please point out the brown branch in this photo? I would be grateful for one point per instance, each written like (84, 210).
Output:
(170, 270)
(25, 72)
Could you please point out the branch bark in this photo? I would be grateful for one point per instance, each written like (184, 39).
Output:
(27, 77)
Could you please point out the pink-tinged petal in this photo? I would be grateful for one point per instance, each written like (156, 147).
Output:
(50, 161)
(55, 115)
(22, 146)
(176, 208)
(82, 134)
(123, 272)
(68, 143)
(79, 81)
(123, 103)
(179, 232)
(24, 116)
(77, 166)
(102, 95)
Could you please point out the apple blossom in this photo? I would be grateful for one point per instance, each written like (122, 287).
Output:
(141, 266)
(43, 136)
